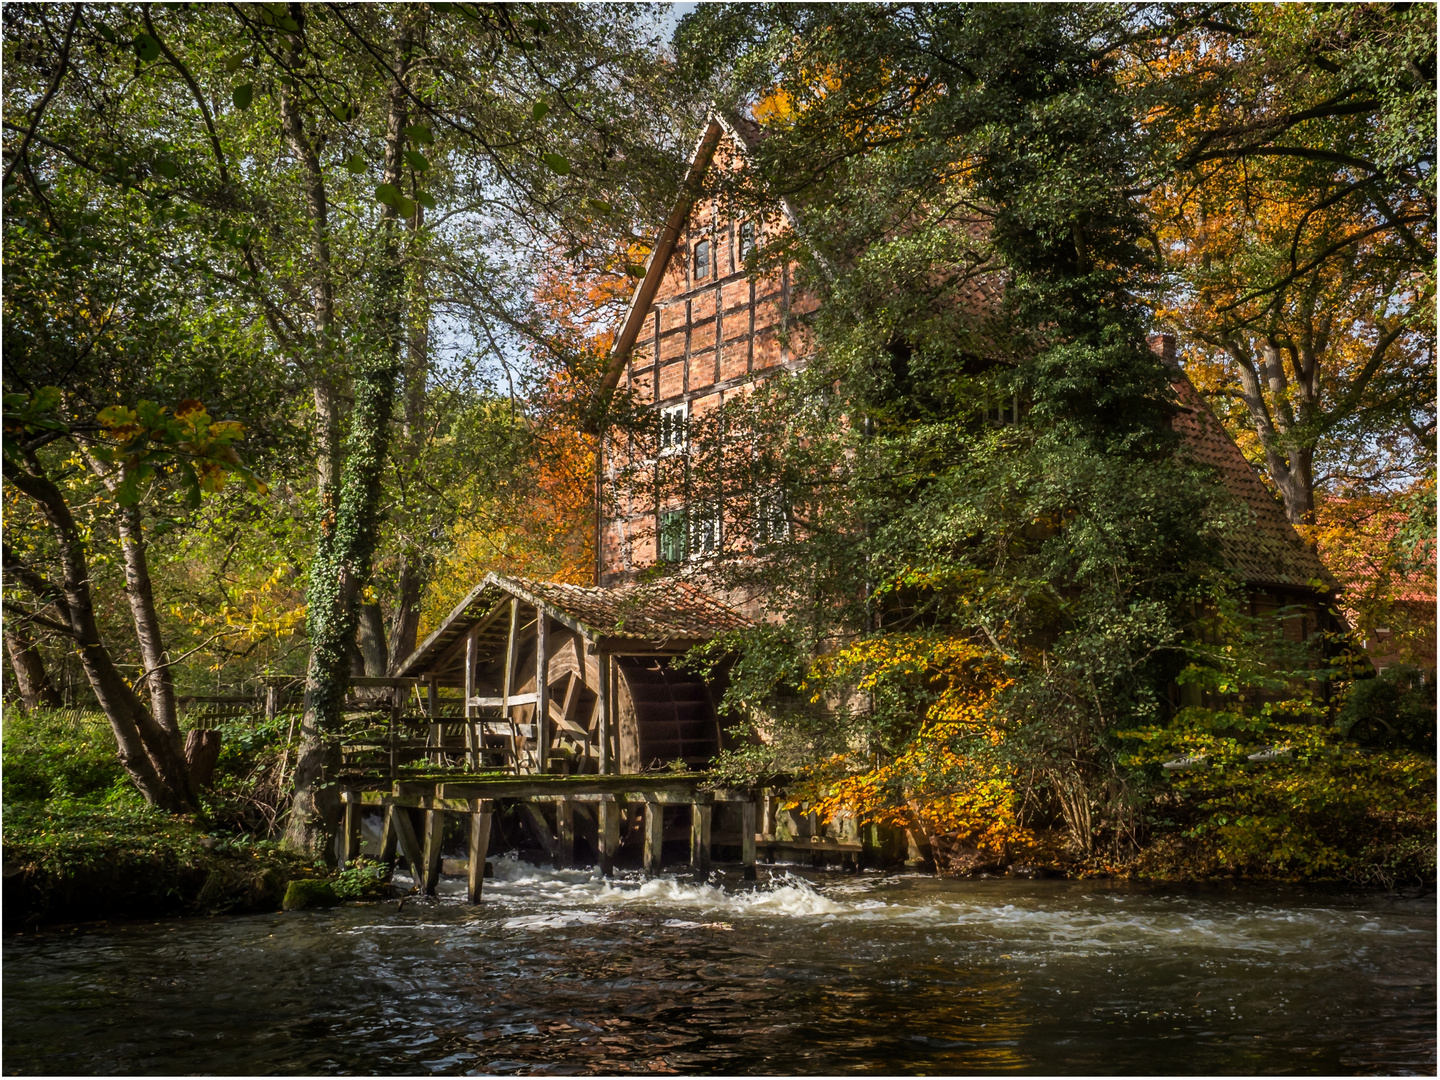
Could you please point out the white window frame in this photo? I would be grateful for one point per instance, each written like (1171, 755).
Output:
(703, 521)
(770, 507)
(708, 244)
(740, 248)
(674, 429)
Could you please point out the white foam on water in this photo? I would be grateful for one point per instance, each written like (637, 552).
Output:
(1053, 923)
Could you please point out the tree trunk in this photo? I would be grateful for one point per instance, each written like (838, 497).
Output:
(160, 684)
(30, 677)
(202, 751)
(346, 546)
(150, 754)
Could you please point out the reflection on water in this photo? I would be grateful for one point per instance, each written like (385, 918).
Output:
(565, 972)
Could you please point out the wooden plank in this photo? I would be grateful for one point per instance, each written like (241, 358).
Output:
(700, 838)
(472, 661)
(388, 836)
(602, 711)
(503, 702)
(609, 835)
(409, 845)
(434, 837)
(542, 689)
(508, 686)
(350, 830)
(479, 848)
(747, 839)
(654, 836)
(564, 834)
(500, 727)
(507, 787)
(541, 828)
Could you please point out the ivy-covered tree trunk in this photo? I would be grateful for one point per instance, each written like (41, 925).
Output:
(347, 538)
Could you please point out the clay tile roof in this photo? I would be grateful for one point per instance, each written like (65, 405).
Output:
(1271, 553)
(666, 615)
(659, 611)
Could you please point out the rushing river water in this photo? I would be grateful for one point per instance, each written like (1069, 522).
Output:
(563, 972)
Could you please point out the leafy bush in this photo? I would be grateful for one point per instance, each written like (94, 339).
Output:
(52, 754)
(1395, 709)
(1319, 809)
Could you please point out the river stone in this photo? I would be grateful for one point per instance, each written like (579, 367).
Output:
(305, 893)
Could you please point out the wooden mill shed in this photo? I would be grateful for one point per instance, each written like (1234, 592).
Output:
(540, 677)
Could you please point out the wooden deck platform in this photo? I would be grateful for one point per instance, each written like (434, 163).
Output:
(415, 810)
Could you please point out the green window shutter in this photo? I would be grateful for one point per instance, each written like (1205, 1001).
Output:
(672, 535)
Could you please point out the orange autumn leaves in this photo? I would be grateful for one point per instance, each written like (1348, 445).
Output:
(951, 777)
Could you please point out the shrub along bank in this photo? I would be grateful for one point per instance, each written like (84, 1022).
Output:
(80, 844)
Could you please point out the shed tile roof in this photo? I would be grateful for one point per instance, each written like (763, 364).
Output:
(664, 614)
(1271, 553)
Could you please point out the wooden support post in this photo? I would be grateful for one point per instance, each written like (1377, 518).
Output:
(472, 737)
(747, 839)
(479, 847)
(409, 845)
(434, 836)
(603, 707)
(700, 838)
(388, 836)
(437, 730)
(564, 834)
(542, 690)
(654, 837)
(507, 689)
(272, 703)
(767, 822)
(609, 834)
(541, 828)
(350, 831)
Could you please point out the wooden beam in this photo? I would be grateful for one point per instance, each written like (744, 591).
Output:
(700, 838)
(350, 831)
(409, 845)
(542, 689)
(603, 710)
(747, 839)
(503, 702)
(654, 836)
(508, 686)
(541, 828)
(568, 787)
(609, 835)
(479, 848)
(434, 837)
(388, 836)
(472, 660)
(382, 680)
(564, 834)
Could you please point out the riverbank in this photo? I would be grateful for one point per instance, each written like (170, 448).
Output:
(84, 862)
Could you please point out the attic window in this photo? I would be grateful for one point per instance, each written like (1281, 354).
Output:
(747, 239)
(702, 259)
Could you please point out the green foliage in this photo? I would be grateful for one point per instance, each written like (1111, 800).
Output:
(362, 880)
(1321, 809)
(65, 756)
(1395, 710)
